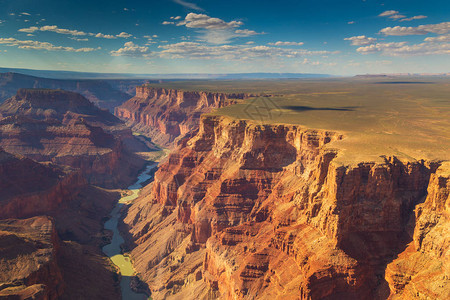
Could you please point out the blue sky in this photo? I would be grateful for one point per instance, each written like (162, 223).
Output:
(201, 36)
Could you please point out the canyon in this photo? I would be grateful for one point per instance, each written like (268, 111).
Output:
(251, 209)
(51, 232)
(297, 190)
(166, 115)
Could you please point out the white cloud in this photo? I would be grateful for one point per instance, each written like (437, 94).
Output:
(403, 49)
(441, 38)
(167, 23)
(193, 20)
(175, 18)
(361, 40)
(55, 28)
(440, 28)
(188, 5)
(103, 36)
(414, 18)
(279, 43)
(130, 49)
(351, 22)
(388, 13)
(124, 35)
(215, 30)
(25, 14)
(36, 45)
(192, 50)
(29, 29)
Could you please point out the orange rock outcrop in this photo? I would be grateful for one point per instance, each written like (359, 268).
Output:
(243, 210)
(166, 114)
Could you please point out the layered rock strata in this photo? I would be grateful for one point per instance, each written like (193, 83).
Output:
(66, 129)
(243, 211)
(167, 114)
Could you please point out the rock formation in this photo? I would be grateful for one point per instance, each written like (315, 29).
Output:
(166, 114)
(66, 129)
(29, 250)
(244, 211)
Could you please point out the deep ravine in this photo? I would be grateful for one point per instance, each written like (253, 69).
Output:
(113, 250)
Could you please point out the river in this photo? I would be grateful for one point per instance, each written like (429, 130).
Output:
(113, 250)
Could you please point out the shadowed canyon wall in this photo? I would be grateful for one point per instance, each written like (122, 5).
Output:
(66, 129)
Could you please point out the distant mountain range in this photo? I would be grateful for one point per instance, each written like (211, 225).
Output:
(104, 93)
(87, 75)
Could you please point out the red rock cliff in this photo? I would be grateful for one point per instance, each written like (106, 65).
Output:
(165, 114)
(244, 210)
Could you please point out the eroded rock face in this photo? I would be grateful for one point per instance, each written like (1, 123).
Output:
(243, 210)
(166, 114)
(29, 250)
(422, 270)
(66, 129)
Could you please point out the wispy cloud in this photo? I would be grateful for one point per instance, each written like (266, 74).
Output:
(192, 50)
(189, 5)
(414, 18)
(56, 29)
(36, 45)
(78, 39)
(403, 49)
(53, 28)
(279, 43)
(388, 13)
(395, 15)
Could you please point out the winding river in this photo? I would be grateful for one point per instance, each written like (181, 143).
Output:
(113, 250)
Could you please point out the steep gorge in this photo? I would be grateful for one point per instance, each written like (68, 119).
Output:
(166, 115)
(244, 210)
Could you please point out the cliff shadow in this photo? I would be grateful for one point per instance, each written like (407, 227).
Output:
(300, 108)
